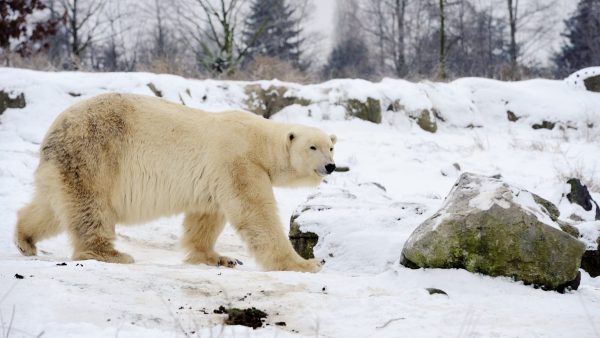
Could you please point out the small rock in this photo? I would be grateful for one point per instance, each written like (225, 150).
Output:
(250, 317)
(154, 90)
(17, 276)
(434, 291)
(426, 120)
(511, 116)
(580, 195)
(10, 100)
(592, 83)
(220, 310)
(544, 125)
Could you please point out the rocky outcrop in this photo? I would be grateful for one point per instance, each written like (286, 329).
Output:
(490, 227)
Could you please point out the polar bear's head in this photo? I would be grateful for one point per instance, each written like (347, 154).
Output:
(311, 153)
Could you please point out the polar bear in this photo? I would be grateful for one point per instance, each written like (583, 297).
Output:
(124, 158)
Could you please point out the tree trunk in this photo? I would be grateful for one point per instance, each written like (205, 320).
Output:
(513, 52)
(400, 9)
(442, 65)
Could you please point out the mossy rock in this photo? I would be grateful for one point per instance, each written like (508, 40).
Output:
(502, 240)
(395, 106)
(303, 242)
(426, 121)
(368, 111)
(512, 117)
(9, 100)
(549, 207)
(568, 228)
(592, 83)
(267, 102)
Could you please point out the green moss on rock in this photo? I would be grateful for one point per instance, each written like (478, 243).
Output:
(503, 240)
(267, 102)
(303, 242)
(549, 207)
(368, 111)
(426, 121)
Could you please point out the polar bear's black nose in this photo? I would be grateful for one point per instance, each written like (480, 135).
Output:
(330, 168)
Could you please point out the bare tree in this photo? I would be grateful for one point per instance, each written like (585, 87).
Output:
(214, 35)
(534, 22)
(161, 47)
(112, 54)
(386, 22)
(82, 23)
(442, 34)
(513, 6)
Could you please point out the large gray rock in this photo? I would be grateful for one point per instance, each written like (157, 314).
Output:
(490, 227)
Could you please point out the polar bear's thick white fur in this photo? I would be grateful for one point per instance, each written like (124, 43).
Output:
(123, 158)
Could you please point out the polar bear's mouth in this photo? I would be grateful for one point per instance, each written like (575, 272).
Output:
(320, 174)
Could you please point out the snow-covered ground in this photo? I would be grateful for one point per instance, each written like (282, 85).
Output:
(363, 292)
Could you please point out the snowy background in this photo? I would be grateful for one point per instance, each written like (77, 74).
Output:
(362, 291)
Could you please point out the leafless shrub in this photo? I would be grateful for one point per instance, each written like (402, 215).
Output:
(268, 68)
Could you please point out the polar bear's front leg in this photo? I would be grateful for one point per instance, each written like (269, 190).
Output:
(201, 230)
(250, 206)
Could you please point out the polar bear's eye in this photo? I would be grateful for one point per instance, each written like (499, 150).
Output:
(313, 148)
(330, 149)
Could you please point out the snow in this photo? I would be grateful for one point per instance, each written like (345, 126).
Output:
(362, 290)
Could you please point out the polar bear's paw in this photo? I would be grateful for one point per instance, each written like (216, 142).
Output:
(229, 262)
(309, 265)
(213, 259)
(108, 256)
(300, 265)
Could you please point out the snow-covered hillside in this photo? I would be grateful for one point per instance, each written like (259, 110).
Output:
(365, 292)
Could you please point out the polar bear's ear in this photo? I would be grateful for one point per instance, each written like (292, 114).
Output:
(333, 138)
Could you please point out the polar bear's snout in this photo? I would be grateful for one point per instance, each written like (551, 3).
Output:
(330, 168)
